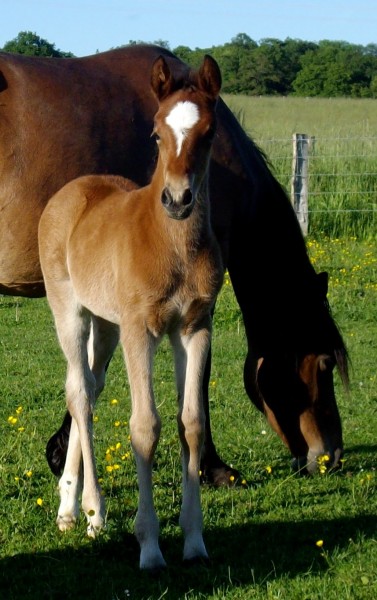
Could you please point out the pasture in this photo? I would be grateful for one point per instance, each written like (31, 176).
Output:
(262, 537)
(342, 170)
(277, 536)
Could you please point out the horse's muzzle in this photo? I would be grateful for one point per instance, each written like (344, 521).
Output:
(328, 461)
(178, 208)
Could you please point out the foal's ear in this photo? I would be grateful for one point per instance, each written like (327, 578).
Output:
(161, 78)
(209, 79)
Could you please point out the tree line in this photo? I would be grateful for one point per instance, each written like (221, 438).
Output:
(270, 67)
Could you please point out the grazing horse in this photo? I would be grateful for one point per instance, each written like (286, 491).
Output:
(62, 118)
(135, 264)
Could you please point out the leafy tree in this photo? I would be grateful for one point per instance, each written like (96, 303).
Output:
(336, 69)
(32, 45)
(269, 67)
(242, 39)
(184, 53)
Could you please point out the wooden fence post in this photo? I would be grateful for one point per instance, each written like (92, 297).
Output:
(299, 185)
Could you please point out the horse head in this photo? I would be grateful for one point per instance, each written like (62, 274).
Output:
(295, 388)
(184, 120)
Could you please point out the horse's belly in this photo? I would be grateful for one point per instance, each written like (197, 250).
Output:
(20, 271)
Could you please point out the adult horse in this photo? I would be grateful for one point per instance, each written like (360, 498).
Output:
(61, 118)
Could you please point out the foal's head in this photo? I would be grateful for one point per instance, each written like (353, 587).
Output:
(184, 126)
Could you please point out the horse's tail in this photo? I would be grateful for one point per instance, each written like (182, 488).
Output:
(57, 445)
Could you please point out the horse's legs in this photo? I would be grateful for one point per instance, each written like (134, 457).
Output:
(145, 427)
(103, 340)
(73, 325)
(104, 337)
(213, 469)
(190, 353)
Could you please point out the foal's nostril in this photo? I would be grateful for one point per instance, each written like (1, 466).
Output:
(187, 197)
(166, 197)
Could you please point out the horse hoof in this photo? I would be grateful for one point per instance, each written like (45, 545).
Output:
(65, 523)
(95, 525)
(93, 532)
(154, 569)
(154, 572)
(220, 475)
(195, 561)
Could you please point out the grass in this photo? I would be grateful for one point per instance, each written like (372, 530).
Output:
(342, 182)
(262, 537)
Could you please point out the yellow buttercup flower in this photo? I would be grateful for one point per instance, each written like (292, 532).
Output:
(39, 501)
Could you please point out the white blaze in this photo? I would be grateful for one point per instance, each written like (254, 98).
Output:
(181, 118)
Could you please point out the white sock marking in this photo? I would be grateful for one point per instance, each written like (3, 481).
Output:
(181, 118)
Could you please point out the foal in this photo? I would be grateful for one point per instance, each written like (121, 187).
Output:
(135, 264)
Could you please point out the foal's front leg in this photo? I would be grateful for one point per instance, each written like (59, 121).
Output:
(190, 353)
(145, 427)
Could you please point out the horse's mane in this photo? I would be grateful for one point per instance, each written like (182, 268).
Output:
(287, 308)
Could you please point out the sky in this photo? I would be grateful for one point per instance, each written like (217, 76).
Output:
(84, 27)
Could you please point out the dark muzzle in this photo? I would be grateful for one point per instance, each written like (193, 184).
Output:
(178, 208)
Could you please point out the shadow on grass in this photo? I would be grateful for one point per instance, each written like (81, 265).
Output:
(361, 449)
(240, 556)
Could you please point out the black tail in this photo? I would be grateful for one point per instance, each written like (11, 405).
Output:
(57, 445)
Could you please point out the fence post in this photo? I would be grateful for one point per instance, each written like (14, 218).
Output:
(299, 185)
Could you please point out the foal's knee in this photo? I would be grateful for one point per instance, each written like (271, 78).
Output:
(145, 434)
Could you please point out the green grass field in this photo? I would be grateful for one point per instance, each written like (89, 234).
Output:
(342, 183)
(262, 537)
(279, 536)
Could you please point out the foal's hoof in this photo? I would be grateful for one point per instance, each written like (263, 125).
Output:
(65, 523)
(154, 572)
(95, 525)
(151, 559)
(197, 561)
(93, 532)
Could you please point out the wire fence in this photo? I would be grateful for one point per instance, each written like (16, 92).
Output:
(338, 180)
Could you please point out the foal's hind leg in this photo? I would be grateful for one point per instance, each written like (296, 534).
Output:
(104, 337)
(72, 325)
(190, 353)
(102, 342)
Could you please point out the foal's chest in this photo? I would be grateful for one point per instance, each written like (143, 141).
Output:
(183, 302)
